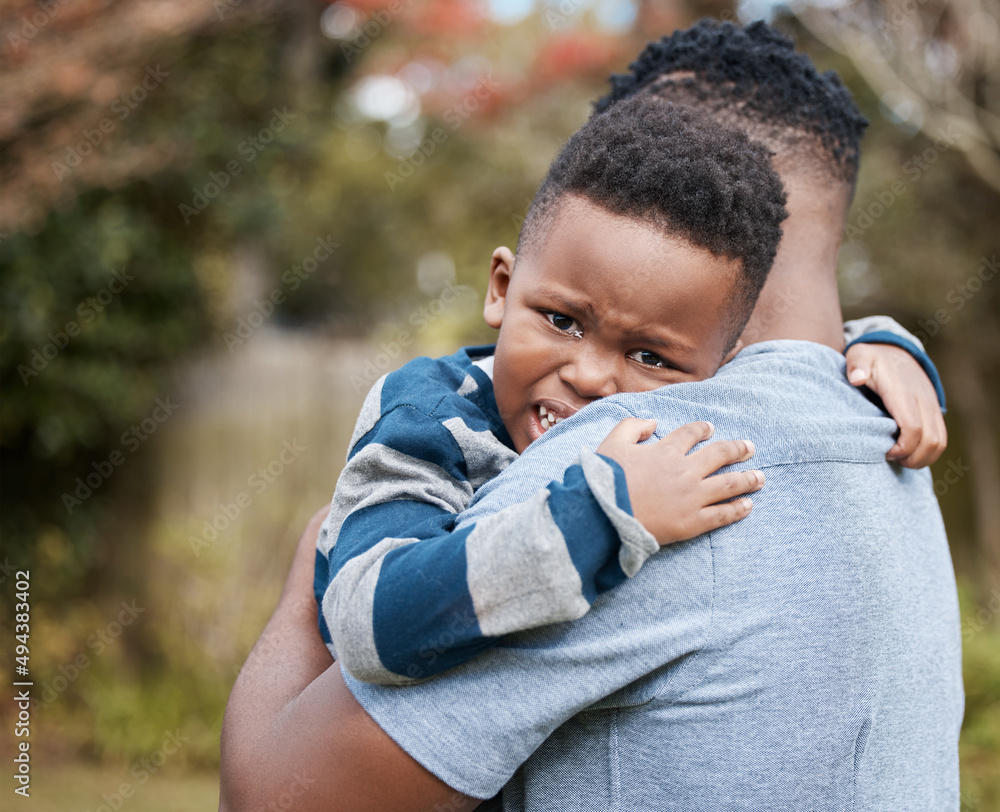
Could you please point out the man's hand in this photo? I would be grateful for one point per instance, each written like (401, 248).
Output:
(673, 493)
(909, 398)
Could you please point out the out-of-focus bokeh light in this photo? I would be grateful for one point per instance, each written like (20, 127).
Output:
(509, 12)
(421, 75)
(401, 141)
(857, 278)
(615, 16)
(901, 110)
(942, 59)
(339, 21)
(387, 98)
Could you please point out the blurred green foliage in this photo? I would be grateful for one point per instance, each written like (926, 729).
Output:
(980, 741)
(76, 393)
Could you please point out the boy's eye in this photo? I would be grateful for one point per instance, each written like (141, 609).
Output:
(648, 358)
(564, 323)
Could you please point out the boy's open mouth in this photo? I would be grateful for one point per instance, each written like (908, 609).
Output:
(546, 415)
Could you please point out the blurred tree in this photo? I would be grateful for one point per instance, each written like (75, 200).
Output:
(107, 285)
(929, 73)
(935, 66)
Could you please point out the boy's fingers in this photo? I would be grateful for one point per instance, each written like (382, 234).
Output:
(630, 431)
(716, 516)
(689, 435)
(921, 445)
(724, 452)
(922, 433)
(909, 397)
(726, 486)
(860, 360)
(910, 432)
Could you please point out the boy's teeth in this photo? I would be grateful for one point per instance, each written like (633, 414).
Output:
(542, 411)
(545, 423)
(560, 419)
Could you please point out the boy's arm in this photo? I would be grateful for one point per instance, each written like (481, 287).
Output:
(430, 597)
(408, 475)
(892, 363)
(409, 596)
(409, 601)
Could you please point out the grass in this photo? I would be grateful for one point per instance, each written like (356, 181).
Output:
(87, 788)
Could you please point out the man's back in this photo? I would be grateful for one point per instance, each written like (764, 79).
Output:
(805, 658)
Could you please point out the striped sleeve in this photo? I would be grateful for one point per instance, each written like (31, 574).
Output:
(405, 608)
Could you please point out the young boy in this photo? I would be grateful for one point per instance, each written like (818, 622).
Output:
(638, 265)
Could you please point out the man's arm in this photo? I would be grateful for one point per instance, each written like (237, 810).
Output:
(293, 730)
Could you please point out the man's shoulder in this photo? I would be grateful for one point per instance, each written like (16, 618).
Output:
(791, 398)
(760, 367)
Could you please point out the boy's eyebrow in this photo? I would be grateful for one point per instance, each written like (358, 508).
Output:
(671, 344)
(571, 304)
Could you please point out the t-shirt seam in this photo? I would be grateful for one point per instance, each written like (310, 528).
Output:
(710, 633)
(699, 649)
(823, 460)
(455, 772)
(794, 461)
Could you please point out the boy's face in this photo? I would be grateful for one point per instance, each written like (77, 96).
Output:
(602, 304)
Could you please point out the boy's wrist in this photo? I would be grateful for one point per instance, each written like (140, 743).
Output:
(609, 486)
(921, 357)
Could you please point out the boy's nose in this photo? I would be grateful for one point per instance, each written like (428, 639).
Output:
(590, 375)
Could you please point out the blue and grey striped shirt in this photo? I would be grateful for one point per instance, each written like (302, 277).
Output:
(429, 435)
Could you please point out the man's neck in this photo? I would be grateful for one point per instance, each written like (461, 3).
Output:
(800, 299)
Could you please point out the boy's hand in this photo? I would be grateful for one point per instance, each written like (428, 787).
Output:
(672, 492)
(909, 398)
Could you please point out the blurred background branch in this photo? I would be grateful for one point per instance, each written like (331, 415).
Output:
(934, 64)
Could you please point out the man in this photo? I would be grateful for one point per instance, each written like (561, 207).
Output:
(804, 658)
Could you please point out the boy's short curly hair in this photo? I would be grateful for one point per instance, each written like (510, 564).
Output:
(670, 168)
(753, 79)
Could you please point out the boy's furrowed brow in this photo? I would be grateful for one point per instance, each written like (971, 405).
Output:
(572, 305)
(667, 344)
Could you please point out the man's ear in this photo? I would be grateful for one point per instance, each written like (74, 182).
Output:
(739, 345)
(501, 270)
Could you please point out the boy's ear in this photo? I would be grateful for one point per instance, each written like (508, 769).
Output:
(501, 270)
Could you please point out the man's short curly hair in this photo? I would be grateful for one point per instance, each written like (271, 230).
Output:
(753, 79)
(670, 168)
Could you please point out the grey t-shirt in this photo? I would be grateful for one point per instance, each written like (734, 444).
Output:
(807, 657)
